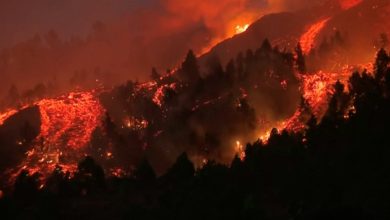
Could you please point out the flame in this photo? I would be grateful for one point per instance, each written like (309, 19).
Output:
(237, 26)
(240, 150)
(241, 28)
(307, 40)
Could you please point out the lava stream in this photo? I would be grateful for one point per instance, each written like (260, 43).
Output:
(5, 115)
(307, 40)
(67, 123)
(69, 120)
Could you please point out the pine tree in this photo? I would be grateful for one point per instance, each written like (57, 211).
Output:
(189, 71)
(300, 60)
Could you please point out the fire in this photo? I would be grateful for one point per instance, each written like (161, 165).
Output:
(240, 150)
(241, 28)
(307, 40)
(235, 27)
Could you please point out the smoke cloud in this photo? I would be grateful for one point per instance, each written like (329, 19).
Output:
(83, 43)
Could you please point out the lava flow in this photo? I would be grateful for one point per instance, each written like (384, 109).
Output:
(66, 127)
(5, 115)
(316, 89)
(69, 120)
(307, 40)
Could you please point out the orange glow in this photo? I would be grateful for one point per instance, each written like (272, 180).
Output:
(135, 123)
(235, 27)
(67, 123)
(241, 28)
(317, 88)
(5, 115)
(69, 120)
(118, 172)
(159, 94)
(347, 4)
(307, 40)
(292, 124)
(240, 150)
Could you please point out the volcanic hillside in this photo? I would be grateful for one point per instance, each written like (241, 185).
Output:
(361, 23)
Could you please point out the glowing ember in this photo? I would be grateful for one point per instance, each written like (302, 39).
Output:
(118, 172)
(295, 123)
(307, 40)
(317, 88)
(159, 94)
(135, 124)
(292, 124)
(284, 84)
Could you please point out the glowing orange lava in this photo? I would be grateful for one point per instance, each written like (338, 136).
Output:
(69, 120)
(67, 123)
(317, 88)
(307, 40)
(159, 94)
(5, 115)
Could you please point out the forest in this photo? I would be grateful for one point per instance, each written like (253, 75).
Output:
(337, 167)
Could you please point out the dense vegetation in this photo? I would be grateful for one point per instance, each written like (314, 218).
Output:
(202, 109)
(337, 168)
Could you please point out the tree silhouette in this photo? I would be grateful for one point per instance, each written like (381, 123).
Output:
(26, 186)
(182, 170)
(144, 172)
(189, 71)
(155, 75)
(381, 64)
(89, 176)
(300, 60)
